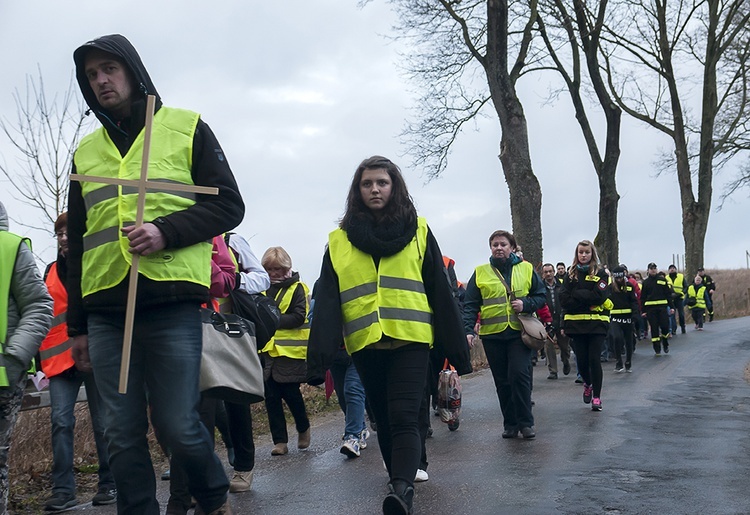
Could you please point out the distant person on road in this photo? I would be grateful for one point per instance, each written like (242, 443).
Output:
(585, 299)
(25, 318)
(284, 355)
(710, 288)
(383, 286)
(552, 290)
(697, 296)
(624, 310)
(656, 306)
(65, 381)
(497, 306)
(679, 285)
(561, 270)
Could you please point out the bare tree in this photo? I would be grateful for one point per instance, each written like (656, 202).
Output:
(462, 61)
(45, 135)
(575, 28)
(660, 55)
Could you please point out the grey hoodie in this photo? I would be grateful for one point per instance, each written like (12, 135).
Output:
(29, 310)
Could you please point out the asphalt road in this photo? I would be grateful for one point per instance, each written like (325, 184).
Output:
(672, 439)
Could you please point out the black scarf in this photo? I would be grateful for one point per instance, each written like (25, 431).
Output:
(380, 239)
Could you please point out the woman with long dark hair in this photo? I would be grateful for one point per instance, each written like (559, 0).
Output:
(585, 299)
(383, 287)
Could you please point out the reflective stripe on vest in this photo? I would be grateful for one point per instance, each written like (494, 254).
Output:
(55, 352)
(627, 311)
(700, 296)
(9, 245)
(496, 313)
(389, 300)
(291, 343)
(106, 260)
(598, 313)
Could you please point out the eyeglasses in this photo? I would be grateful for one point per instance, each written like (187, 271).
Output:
(61, 234)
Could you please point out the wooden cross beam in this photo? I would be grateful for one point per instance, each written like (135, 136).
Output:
(143, 184)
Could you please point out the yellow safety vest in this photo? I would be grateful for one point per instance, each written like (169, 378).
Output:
(106, 260)
(9, 245)
(677, 284)
(496, 313)
(700, 296)
(389, 300)
(291, 343)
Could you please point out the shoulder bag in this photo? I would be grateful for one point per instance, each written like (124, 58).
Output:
(258, 309)
(230, 364)
(533, 333)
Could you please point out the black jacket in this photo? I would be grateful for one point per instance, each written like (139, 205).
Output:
(578, 297)
(326, 331)
(209, 216)
(656, 288)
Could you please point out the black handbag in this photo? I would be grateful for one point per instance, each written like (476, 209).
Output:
(230, 364)
(260, 310)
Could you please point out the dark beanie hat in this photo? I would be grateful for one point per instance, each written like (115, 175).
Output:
(61, 222)
(618, 272)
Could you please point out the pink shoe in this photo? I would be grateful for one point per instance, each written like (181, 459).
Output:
(588, 391)
(596, 404)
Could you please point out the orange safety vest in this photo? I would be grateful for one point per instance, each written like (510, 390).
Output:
(55, 352)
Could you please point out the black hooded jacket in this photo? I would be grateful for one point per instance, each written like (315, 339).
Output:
(209, 216)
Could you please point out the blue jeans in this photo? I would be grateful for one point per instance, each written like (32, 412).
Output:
(354, 393)
(63, 391)
(164, 370)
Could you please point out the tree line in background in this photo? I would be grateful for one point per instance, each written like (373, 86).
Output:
(651, 59)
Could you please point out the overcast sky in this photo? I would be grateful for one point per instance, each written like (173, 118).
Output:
(299, 92)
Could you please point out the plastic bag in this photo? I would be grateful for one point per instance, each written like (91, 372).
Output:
(449, 396)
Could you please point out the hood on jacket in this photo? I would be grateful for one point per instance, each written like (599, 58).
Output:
(124, 51)
(3, 218)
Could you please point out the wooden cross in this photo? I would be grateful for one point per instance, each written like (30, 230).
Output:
(143, 184)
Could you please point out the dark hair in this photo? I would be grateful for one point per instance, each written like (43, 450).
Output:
(400, 205)
(547, 264)
(61, 222)
(561, 263)
(504, 234)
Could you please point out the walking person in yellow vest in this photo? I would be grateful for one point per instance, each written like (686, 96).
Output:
(174, 249)
(284, 355)
(679, 285)
(65, 381)
(383, 286)
(25, 317)
(697, 294)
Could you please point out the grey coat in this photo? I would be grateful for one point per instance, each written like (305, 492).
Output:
(29, 310)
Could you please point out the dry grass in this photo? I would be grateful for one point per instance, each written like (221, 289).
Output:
(731, 296)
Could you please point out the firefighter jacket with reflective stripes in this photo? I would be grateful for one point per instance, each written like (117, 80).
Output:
(496, 313)
(106, 260)
(586, 303)
(291, 343)
(388, 300)
(55, 352)
(699, 296)
(656, 292)
(624, 304)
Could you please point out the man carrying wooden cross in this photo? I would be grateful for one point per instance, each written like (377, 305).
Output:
(174, 252)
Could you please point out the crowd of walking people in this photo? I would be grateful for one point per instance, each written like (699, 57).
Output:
(385, 315)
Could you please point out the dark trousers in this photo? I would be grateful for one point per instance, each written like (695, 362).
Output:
(588, 349)
(394, 382)
(510, 363)
(621, 334)
(289, 393)
(241, 432)
(697, 316)
(679, 314)
(658, 319)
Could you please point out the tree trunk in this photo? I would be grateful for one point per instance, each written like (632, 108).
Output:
(525, 192)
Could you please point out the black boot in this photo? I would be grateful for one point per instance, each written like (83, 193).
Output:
(399, 499)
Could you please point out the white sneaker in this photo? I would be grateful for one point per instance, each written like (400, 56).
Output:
(350, 447)
(363, 436)
(421, 476)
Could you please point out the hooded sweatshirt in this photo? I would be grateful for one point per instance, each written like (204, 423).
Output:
(29, 309)
(209, 216)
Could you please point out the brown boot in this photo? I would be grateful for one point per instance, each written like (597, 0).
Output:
(224, 509)
(303, 440)
(279, 449)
